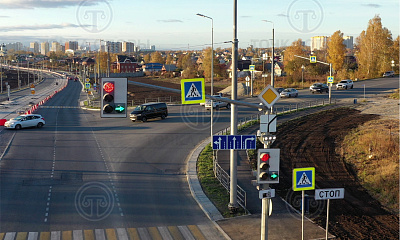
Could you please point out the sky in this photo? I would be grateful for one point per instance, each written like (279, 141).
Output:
(174, 25)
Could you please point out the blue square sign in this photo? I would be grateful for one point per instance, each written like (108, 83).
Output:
(303, 179)
(193, 91)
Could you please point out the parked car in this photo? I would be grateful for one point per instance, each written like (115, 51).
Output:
(319, 87)
(204, 103)
(289, 92)
(24, 121)
(345, 84)
(148, 111)
(388, 74)
(217, 104)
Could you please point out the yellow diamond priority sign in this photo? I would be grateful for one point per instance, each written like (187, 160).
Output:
(269, 96)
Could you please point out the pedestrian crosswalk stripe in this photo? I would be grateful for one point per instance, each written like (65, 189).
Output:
(10, 236)
(99, 233)
(21, 236)
(121, 232)
(165, 233)
(189, 232)
(44, 236)
(133, 234)
(196, 232)
(67, 235)
(111, 234)
(88, 234)
(176, 234)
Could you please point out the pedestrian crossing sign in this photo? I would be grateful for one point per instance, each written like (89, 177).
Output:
(303, 179)
(193, 91)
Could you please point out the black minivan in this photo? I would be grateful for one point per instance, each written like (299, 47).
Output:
(149, 110)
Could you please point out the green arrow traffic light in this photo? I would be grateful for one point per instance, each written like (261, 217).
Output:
(120, 109)
(274, 176)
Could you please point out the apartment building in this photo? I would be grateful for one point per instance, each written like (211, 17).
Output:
(113, 47)
(73, 45)
(34, 47)
(128, 47)
(44, 48)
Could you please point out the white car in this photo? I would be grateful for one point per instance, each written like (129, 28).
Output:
(345, 84)
(289, 92)
(388, 74)
(217, 104)
(24, 121)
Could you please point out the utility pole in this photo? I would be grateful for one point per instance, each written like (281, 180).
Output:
(233, 206)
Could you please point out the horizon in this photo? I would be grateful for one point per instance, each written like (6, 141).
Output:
(174, 25)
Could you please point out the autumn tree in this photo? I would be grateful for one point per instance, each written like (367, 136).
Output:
(293, 64)
(169, 59)
(336, 50)
(373, 49)
(156, 57)
(206, 66)
(146, 58)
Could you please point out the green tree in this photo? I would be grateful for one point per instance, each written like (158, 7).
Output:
(336, 50)
(373, 49)
(156, 57)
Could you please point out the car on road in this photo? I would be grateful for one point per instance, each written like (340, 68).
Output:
(217, 104)
(204, 103)
(279, 90)
(319, 87)
(25, 121)
(388, 74)
(289, 92)
(345, 84)
(148, 111)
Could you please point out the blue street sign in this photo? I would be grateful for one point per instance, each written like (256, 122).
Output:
(303, 179)
(193, 91)
(238, 142)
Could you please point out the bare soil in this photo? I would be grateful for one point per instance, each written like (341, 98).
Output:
(312, 141)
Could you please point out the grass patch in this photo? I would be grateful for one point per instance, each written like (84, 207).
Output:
(373, 151)
(218, 195)
(395, 95)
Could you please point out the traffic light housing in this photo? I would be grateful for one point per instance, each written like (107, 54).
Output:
(268, 166)
(114, 97)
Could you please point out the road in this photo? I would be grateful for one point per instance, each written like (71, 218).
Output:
(84, 172)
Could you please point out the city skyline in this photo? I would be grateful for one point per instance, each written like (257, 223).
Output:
(174, 25)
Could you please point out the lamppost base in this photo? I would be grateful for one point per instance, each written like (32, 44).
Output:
(233, 208)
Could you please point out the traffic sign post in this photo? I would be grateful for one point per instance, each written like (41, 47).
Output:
(303, 179)
(330, 79)
(328, 194)
(193, 91)
(313, 59)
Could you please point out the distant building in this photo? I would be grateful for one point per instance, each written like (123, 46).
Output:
(113, 47)
(152, 67)
(34, 47)
(18, 46)
(73, 45)
(128, 47)
(44, 48)
(125, 64)
(319, 42)
(348, 41)
(56, 47)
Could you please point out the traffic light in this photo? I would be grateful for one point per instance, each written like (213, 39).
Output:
(114, 97)
(268, 166)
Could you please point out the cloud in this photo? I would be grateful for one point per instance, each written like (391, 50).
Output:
(40, 27)
(32, 4)
(372, 5)
(282, 15)
(245, 16)
(4, 16)
(169, 20)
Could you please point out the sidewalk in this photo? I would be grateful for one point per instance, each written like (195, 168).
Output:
(284, 223)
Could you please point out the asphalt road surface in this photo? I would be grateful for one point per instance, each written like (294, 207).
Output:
(84, 172)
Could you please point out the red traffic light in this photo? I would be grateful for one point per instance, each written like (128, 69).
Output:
(265, 157)
(108, 87)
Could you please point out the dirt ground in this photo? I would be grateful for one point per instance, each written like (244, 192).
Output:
(312, 141)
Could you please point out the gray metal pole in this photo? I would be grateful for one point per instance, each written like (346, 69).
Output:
(264, 218)
(302, 215)
(330, 85)
(212, 77)
(273, 50)
(327, 220)
(233, 206)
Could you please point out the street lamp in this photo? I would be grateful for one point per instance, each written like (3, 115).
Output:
(212, 68)
(302, 76)
(392, 65)
(272, 57)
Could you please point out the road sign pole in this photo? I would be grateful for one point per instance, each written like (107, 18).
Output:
(302, 215)
(264, 218)
(327, 220)
(330, 85)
